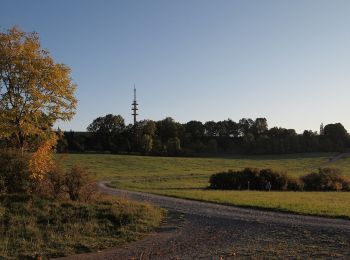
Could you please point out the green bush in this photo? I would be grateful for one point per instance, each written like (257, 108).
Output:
(278, 180)
(224, 180)
(251, 178)
(326, 179)
(14, 174)
(295, 184)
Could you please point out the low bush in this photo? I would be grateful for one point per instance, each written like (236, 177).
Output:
(73, 184)
(326, 179)
(56, 181)
(295, 184)
(15, 177)
(278, 180)
(14, 173)
(224, 180)
(251, 178)
(75, 180)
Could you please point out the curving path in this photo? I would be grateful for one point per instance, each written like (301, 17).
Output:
(200, 230)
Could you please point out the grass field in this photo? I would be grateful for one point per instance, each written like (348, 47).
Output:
(188, 178)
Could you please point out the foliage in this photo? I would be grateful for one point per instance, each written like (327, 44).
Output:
(249, 178)
(75, 180)
(223, 137)
(32, 226)
(35, 91)
(295, 184)
(107, 124)
(71, 184)
(146, 143)
(41, 161)
(55, 180)
(173, 146)
(326, 179)
(14, 174)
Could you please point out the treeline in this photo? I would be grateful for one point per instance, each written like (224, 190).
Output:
(168, 137)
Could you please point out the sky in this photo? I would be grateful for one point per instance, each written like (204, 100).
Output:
(288, 61)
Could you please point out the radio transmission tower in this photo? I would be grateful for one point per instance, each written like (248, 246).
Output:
(134, 106)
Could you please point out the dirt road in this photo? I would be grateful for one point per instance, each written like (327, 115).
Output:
(199, 230)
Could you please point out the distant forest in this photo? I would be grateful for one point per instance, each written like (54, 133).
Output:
(166, 137)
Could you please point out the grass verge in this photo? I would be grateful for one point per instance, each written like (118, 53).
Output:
(32, 226)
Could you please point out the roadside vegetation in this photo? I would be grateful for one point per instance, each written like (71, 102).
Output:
(63, 213)
(45, 210)
(189, 178)
(32, 226)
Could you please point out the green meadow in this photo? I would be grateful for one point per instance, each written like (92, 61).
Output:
(188, 178)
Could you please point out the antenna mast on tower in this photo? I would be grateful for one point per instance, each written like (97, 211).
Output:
(134, 106)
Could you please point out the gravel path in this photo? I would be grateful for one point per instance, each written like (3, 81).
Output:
(199, 230)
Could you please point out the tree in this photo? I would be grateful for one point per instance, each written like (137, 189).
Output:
(167, 128)
(321, 129)
(107, 131)
(35, 91)
(195, 129)
(338, 135)
(146, 143)
(173, 146)
(210, 129)
(212, 146)
(147, 127)
(260, 126)
(245, 125)
(107, 124)
(336, 132)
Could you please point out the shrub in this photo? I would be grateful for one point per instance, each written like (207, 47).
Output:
(75, 180)
(254, 178)
(326, 179)
(3, 188)
(224, 180)
(73, 184)
(251, 175)
(295, 184)
(278, 180)
(56, 181)
(14, 174)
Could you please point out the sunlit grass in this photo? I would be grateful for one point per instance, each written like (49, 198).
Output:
(188, 178)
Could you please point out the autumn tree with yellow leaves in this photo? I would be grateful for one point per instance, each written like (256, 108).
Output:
(35, 91)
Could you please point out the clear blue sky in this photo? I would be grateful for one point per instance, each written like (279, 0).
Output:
(288, 61)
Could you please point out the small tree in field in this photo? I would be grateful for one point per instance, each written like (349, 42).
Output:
(35, 91)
